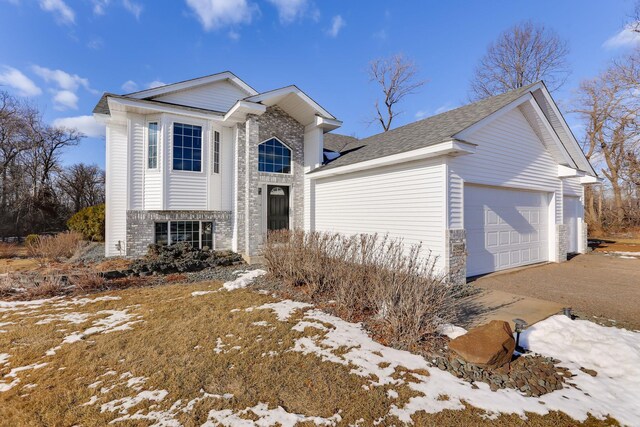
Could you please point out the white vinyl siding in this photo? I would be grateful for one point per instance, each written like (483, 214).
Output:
(116, 188)
(572, 186)
(406, 201)
(573, 212)
(509, 154)
(218, 96)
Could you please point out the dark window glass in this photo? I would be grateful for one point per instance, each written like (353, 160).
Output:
(187, 144)
(185, 231)
(162, 233)
(274, 157)
(207, 235)
(216, 152)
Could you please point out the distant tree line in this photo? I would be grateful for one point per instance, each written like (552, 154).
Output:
(37, 193)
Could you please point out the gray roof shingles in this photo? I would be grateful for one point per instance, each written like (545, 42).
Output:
(420, 134)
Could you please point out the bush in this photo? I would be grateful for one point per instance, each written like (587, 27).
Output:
(54, 248)
(88, 282)
(396, 289)
(89, 222)
(47, 286)
(31, 239)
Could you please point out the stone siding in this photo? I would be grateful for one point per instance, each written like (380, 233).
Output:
(141, 227)
(562, 239)
(584, 234)
(275, 122)
(456, 257)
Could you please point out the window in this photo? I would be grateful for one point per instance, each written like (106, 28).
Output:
(216, 152)
(152, 145)
(186, 231)
(274, 157)
(187, 147)
(198, 234)
(207, 235)
(162, 233)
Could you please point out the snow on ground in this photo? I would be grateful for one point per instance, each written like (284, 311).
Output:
(116, 320)
(621, 254)
(282, 309)
(200, 293)
(6, 386)
(265, 417)
(451, 331)
(244, 280)
(614, 353)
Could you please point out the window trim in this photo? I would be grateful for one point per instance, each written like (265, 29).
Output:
(147, 145)
(202, 146)
(291, 157)
(200, 222)
(216, 151)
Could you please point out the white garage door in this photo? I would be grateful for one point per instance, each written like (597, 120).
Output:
(505, 228)
(571, 205)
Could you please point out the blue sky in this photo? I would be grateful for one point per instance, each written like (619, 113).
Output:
(64, 53)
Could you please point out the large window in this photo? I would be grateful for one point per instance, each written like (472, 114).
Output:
(199, 234)
(274, 157)
(152, 145)
(187, 147)
(216, 152)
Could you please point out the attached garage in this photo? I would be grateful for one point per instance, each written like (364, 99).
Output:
(506, 228)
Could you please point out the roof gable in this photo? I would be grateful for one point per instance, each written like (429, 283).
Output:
(194, 83)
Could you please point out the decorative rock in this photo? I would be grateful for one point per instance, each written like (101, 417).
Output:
(489, 345)
(589, 371)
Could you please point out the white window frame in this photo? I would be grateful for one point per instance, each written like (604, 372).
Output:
(168, 222)
(158, 123)
(203, 133)
(290, 150)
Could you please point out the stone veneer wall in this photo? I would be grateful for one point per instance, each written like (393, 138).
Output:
(562, 239)
(275, 122)
(585, 237)
(456, 258)
(141, 227)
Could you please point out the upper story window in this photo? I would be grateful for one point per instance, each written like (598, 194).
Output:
(152, 145)
(187, 147)
(216, 152)
(274, 156)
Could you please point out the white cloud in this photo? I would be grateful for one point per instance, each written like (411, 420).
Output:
(214, 14)
(421, 114)
(63, 13)
(155, 83)
(380, 35)
(85, 124)
(134, 8)
(65, 99)
(290, 10)
(234, 35)
(95, 43)
(337, 23)
(99, 6)
(62, 79)
(129, 86)
(625, 38)
(15, 79)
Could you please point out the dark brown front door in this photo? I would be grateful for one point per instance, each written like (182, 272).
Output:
(277, 207)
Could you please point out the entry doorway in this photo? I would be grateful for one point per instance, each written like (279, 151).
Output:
(277, 207)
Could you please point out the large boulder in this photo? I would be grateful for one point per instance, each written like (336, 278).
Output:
(490, 345)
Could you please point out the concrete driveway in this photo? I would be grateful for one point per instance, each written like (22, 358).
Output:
(594, 284)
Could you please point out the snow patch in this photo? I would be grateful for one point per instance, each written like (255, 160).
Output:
(243, 280)
(123, 405)
(200, 293)
(451, 331)
(282, 309)
(6, 386)
(266, 417)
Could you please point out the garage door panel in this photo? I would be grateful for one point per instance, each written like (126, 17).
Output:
(506, 228)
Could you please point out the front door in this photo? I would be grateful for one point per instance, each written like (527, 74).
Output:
(277, 207)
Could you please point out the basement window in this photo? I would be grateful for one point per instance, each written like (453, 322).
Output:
(198, 234)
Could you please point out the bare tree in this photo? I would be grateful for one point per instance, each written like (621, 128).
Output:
(397, 76)
(83, 185)
(608, 105)
(635, 20)
(523, 54)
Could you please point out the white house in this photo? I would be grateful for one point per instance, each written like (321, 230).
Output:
(491, 185)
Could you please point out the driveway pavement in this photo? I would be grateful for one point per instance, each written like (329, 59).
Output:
(594, 284)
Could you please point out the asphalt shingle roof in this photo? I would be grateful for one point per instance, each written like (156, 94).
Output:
(420, 134)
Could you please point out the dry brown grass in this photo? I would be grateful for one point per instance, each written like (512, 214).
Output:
(9, 250)
(174, 348)
(45, 287)
(54, 248)
(87, 281)
(20, 264)
(367, 277)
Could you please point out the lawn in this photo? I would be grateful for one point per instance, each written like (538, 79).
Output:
(199, 354)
